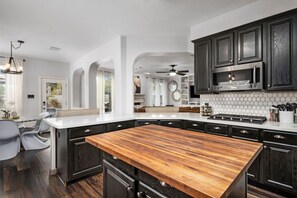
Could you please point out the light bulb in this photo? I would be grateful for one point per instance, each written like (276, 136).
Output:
(20, 68)
(6, 66)
(172, 73)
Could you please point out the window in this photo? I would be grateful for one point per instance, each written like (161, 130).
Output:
(107, 91)
(154, 92)
(161, 92)
(2, 90)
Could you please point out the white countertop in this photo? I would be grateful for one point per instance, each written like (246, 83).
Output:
(77, 121)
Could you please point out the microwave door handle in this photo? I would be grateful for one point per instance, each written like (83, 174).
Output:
(254, 76)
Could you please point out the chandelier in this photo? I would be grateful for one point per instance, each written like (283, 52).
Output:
(13, 66)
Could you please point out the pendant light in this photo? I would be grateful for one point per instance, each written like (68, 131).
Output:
(11, 67)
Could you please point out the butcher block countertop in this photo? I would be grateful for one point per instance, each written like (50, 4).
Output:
(199, 164)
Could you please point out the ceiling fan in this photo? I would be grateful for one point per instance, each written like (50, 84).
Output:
(173, 71)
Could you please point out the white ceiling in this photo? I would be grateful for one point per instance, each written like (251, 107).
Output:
(79, 26)
(160, 62)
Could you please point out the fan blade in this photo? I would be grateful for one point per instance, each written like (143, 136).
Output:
(161, 72)
(181, 74)
(183, 71)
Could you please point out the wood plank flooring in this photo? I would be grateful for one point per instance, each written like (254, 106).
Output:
(27, 176)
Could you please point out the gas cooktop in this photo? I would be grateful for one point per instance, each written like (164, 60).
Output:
(239, 118)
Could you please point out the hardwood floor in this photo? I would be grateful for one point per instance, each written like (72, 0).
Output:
(27, 175)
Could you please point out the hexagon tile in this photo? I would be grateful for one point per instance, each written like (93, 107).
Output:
(247, 103)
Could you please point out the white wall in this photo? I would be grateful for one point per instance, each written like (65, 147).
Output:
(33, 70)
(111, 50)
(137, 45)
(246, 14)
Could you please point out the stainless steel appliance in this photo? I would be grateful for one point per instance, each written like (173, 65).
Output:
(239, 118)
(238, 77)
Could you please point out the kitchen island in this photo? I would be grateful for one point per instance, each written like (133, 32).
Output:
(192, 164)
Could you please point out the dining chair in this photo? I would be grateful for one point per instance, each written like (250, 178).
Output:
(32, 141)
(9, 139)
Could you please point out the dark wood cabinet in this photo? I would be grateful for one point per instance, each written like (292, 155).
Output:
(145, 191)
(146, 122)
(282, 53)
(223, 50)
(171, 123)
(202, 67)
(217, 129)
(119, 125)
(116, 183)
(280, 165)
(85, 158)
(249, 44)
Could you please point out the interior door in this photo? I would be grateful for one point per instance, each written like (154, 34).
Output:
(54, 93)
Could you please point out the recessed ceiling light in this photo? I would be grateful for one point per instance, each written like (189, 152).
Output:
(147, 73)
(55, 49)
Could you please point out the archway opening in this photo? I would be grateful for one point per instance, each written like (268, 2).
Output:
(101, 85)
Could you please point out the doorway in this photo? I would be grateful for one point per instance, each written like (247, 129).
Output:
(54, 94)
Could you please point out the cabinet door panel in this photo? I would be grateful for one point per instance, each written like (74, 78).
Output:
(223, 50)
(282, 53)
(202, 67)
(116, 184)
(250, 44)
(280, 165)
(85, 159)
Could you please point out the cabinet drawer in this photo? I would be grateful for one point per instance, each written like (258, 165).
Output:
(279, 137)
(169, 123)
(146, 122)
(160, 186)
(119, 126)
(217, 129)
(86, 131)
(195, 126)
(146, 191)
(245, 133)
(120, 164)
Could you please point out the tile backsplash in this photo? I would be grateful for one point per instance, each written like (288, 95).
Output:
(247, 103)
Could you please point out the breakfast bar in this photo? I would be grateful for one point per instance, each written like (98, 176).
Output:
(193, 164)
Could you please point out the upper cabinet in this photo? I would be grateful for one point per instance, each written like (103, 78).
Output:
(282, 54)
(249, 44)
(202, 68)
(223, 50)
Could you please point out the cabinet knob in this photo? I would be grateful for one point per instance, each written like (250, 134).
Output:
(163, 184)
(142, 195)
(146, 123)
(194, 125)
(119, 126)
(129, 188)
(231, 60)
(170, 123)
(88, 130)
(279, 137)
(244, 131)
(268, 85)
(115, 158)
(265, 146)
(217, 128)
(208, 88)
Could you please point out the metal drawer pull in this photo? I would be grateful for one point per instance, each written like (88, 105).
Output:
(119, 126)
(88, 130)
(217, 128)
(194, 125)
(129, 188)
(163, 184)
(279, 137)
(170, 123)
(115, 158)
(244, 132)
(146, 123)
